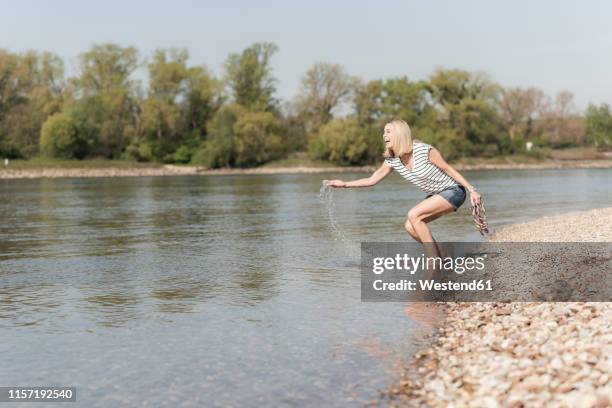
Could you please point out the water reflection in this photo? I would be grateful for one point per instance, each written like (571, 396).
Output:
(112, 309)
(181, 294)
(29, 305)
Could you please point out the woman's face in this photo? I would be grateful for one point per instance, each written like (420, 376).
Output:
(389, 136)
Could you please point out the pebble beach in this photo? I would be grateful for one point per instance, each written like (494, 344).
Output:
(521, 354)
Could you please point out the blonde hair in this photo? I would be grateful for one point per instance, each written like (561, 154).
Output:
(404, 139)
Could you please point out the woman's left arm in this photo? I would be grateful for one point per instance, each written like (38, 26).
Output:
(436, 158)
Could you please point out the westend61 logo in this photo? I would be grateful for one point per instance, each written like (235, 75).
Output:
(486, 271)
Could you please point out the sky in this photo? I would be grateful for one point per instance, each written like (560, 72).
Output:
(553, 45)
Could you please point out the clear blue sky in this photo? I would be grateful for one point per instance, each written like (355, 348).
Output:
(553, 45)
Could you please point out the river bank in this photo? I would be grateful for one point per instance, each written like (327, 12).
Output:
(521, 354)
(174, 170)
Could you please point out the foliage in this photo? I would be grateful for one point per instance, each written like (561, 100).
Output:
(241, 138)
(184, 114)
(343, 142)
(59, 138)
(324, 89)
(31, 89)
(249, 77)
(599, 125)
(107, 98)
(381, 101)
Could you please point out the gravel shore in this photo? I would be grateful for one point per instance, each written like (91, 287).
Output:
(173, 170)
(521, 354)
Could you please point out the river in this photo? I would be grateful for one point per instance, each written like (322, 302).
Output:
(224, 290)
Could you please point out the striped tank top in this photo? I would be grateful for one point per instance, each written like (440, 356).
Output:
(424, 174)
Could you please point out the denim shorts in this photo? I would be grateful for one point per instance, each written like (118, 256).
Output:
(453, 194)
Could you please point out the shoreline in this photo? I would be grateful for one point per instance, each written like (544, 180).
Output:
(174, 170)
(520, 353)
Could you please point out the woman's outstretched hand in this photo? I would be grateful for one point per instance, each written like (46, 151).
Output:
(474, 198)
(335, 183)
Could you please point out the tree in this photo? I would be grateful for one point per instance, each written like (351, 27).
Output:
(59, 138)
(203, 97)
(161, 113)
(239, 137)
(106, 67)
(11, 95)
(468, 113)
(257, 139)
(450, 87)
(478, 127)
(180, 100)
(249, 76)
(10, 84)
(381, 101)
(219, 148)
(599, 125)
(343, 142)
(559, 124)
(31, 89)
(106, 94)
(519, 108)
(325, 87)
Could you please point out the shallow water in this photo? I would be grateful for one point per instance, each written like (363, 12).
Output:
(223, 291)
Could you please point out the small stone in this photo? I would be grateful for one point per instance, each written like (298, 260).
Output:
(556, 363)
(603, 401)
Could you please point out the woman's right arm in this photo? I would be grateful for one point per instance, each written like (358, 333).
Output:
(382, 172)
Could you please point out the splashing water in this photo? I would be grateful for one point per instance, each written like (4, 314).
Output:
(326, 196)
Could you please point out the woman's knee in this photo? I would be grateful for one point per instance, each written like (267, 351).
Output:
(409, 228)
(414, 216)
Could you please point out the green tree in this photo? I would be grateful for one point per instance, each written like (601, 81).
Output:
(239, 137)
(599, 125)
(343, 142)
(107, 94)
(180, 100)
(381, 101)
(257, 139)
(219, 148)
(59, 138)
(203, 97)
(325, 87)
(106, 67)
(161, 113)
(478, 126)
(249, 76)
(450, 87)
(468, 114)
(31, 89)
(293, 131)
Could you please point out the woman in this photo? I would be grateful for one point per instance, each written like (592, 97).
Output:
(422, 165)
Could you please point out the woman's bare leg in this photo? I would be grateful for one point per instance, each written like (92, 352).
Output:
(425, 211)
(410, 230)
(416, 225)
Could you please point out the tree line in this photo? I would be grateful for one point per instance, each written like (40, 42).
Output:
(186, 114)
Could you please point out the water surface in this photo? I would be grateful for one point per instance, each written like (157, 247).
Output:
(223, 291)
